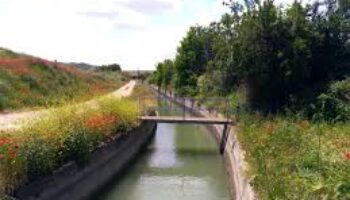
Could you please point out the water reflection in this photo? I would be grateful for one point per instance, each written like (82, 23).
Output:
(164, 154)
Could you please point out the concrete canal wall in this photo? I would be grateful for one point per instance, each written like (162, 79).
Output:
(233, 156)
(72, 182)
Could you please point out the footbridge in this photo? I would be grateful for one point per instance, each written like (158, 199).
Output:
(191, 120)
(188, 111)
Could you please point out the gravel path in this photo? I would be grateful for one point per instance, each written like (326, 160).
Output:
(13, 121)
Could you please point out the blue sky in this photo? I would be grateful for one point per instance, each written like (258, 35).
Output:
(135, 33)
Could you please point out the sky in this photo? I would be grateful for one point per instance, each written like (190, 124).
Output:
(134, 33)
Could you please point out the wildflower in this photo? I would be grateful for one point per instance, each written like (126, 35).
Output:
(4, 141)
(13, 154)
(100, 121)
(347, 155)
(19, 66)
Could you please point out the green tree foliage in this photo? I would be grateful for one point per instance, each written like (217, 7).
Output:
(168, 70)
(158, 75)
(192, 58)
(285, 57)
(274, 52)
(163, 76)
(111, 67)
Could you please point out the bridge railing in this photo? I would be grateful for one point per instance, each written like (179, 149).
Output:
(184, 106)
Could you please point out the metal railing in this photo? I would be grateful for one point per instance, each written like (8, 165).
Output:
(186, 106)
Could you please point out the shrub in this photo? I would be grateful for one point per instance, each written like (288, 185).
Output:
(77, 146)
(334, 105)
(40, 158)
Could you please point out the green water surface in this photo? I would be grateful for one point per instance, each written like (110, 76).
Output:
(182, 163)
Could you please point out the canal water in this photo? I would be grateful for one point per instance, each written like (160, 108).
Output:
(182, 163)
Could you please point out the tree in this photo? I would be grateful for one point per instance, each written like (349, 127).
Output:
(192, 57)
(111, 67)
(168, 70)
(158, 76)
(285, 57)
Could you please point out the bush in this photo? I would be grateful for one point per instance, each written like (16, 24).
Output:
(77, 146)
(40, 158)
(334, 105)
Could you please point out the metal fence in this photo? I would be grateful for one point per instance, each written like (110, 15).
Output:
(186, 106)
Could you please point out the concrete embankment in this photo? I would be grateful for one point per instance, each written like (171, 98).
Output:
(72, 182)
(233, 156)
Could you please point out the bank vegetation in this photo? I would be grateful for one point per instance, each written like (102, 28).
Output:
(64, 134)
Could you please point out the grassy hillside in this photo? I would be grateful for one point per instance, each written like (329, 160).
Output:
(27, 81)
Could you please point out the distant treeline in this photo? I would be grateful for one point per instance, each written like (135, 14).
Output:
(111, 67)
(283, 57)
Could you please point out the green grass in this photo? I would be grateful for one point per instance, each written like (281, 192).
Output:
(291, 158)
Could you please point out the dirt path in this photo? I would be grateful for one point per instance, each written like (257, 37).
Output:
(13, 121)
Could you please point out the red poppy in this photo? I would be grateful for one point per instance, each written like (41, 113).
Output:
(13, 154)
(99, 121)
(347, 155)
(19, 66)
(4, 141)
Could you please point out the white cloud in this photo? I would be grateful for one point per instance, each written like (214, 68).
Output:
(99, 14)
(99, 32)
(150, 6)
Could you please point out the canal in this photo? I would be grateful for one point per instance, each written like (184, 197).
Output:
(182, 163)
